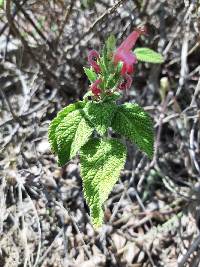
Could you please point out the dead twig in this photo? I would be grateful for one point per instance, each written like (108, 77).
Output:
(97, 21)
(67, 16)
(192, 249)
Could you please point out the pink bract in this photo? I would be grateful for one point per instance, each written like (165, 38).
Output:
(124, 53)
(93, 56)
(126, 84)
(94, 87)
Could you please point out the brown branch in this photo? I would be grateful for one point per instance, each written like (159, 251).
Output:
(13, 16)
(32, 22)
(67, 16)
(17, 33)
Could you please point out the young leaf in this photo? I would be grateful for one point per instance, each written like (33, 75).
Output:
(90, 74)
(100, 115)
(71, 134)
(148, 55)
(113, 78)
(135, 124)
(55, 122)
(105, 62)
(101, 162)
(112, 98)
(111, 43)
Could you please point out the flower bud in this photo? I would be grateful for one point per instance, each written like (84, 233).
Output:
(126, 84)
(95, 89)
(93, 56)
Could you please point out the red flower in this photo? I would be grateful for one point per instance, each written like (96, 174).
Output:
(93, 56)
(95, 89)
(124, 53)
(126, 84)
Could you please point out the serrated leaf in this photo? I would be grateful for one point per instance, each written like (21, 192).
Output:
(90, 74)
(55, 122)
(71, 134)
(148, 55)
(134, 123)
(100, 115)
(83, 132)
(101, 162)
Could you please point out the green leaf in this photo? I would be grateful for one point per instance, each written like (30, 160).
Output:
(101, 162)
(113, 78)
(90, 74)
(71, 134)
(135, 124)
(100, 115)
(111, 81)
(103, 63)
(112, 97)
(56, 121)
(119, 67)
(148, 55)
(111, 43)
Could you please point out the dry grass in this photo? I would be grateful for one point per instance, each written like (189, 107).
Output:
(152, 216)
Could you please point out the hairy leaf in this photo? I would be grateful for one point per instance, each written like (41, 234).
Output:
(135, 124)
(148, 55)
(71, 134)
(90, 74)
(111, 43)
(100, 114)
(113, 78)
(101, 163)
(112, 98)
(55, 122)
